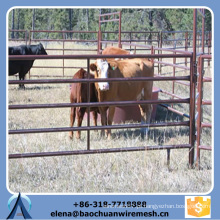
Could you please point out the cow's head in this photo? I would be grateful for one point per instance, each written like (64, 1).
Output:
(101, 69)
(41, 50)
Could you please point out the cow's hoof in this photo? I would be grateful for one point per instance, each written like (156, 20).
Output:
(21, 88)
(71, 136)
(102, 133)
(77, 137)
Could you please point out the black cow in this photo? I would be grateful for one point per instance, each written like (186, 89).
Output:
(23, 66)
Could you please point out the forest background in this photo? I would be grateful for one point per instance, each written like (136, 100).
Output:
(87, 19)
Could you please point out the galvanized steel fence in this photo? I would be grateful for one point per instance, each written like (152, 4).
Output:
(156, 53)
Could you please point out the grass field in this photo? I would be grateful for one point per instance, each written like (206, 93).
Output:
(130, 172)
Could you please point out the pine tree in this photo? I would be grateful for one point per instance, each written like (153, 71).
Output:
(133, 19)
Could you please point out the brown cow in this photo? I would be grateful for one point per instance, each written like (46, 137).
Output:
(123, 91)
(78, 94)
(114, 50)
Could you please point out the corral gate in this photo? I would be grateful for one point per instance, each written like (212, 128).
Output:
(191, 101)
(116, 17)
(200, 103)
(202, 57)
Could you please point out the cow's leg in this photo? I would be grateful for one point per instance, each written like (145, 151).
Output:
(72, 120)
(111, 113)
(103, 113)
(80, 115)
(21, 77)
(145, 118)
(146, 109)
(95, 116)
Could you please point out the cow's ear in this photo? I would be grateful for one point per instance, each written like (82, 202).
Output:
(113, 65)
(93, 67)
(151, 60)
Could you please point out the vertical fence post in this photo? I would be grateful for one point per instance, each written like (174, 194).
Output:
(88, 100)
(63, 51)
(186, 45)
(98, 42)
(29, 72)
(160, 52)
(152, 50)
(199, 112)
(193, 73)
(174, 74)
(209, 45)
(168, 157)
(192, 113)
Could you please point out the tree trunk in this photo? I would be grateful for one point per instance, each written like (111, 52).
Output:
(87, 18)
(33, 23)
(18, 22)
(13, 24)
(70, 21)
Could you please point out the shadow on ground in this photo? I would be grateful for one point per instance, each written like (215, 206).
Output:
(158, 135)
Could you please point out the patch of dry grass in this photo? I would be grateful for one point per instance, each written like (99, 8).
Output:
(130, 172)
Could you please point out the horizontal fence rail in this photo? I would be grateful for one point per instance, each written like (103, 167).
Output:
(103, 127)
(157, 48)
(98, 151)
(136, 79)
(98, 104)
(96, 56)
